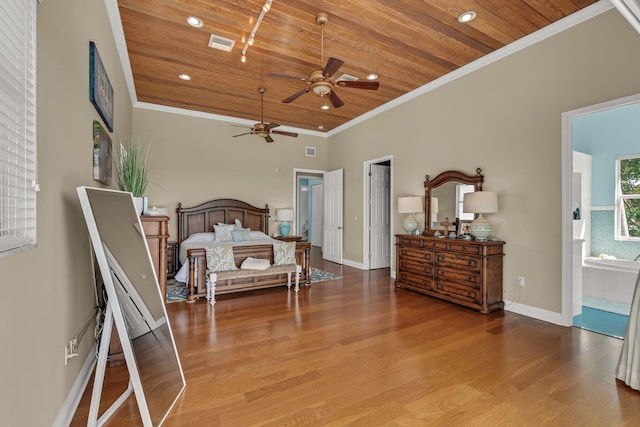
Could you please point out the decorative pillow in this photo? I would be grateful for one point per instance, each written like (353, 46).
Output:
(240, 235)
(255, 264)
(220, 258)
(223, 232)
(238, 225)
(284, 253)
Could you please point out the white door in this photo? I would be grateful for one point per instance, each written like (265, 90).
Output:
(332, 241)
(379, 217)
(317, 215)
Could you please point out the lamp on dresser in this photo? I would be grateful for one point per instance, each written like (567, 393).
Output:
(284, 215)
(481, 202)
(410, 205)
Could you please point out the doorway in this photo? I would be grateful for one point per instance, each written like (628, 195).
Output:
(582, 306)
(377, 226)
(309, 207)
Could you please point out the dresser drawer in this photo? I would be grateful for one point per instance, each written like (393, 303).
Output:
(414, 266)
(458, 291)
(462, 277)
(417, 280)
(419, 255)
(467, 249)
(457, 261)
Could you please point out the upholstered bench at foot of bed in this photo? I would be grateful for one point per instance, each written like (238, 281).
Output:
(215, 276)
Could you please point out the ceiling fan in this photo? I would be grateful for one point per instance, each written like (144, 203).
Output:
(262, 129)
(321, 81)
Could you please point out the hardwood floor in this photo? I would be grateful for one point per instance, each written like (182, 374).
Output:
(356, 351)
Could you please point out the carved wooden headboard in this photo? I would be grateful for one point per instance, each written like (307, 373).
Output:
(201, 218)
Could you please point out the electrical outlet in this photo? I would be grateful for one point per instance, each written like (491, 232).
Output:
(521, 281)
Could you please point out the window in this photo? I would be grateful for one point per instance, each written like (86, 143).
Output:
(627, 198)
(461, 190)
(17, 125)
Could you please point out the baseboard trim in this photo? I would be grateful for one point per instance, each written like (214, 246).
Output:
(358, 265)
(534, 312)
(70, 405)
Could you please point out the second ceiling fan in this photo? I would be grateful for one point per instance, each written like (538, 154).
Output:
(262, 129)
(321, 81)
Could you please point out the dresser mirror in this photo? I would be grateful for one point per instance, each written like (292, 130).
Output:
(443, 198)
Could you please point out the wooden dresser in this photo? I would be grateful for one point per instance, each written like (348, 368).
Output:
(465, 272)
(156, 230)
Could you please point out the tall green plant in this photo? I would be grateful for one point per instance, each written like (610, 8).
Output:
(131, 167)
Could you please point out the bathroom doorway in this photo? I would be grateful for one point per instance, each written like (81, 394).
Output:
(596, 296)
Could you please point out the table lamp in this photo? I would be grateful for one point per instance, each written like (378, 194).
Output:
(480, 202)
(284, 215)
(410, 205)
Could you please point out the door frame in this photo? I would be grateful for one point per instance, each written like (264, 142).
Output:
(566, 316)
(366, 215)
(300, 173)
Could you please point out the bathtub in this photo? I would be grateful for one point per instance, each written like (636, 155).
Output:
(610, 279)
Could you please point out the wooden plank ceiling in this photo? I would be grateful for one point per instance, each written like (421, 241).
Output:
(408, 43)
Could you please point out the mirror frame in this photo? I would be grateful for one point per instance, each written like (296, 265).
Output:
(443, 178)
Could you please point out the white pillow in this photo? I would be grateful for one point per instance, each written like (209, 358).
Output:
(223, 232)
(201, 237)
(255, 264)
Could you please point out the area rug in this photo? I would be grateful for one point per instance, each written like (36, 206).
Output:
(177, 291)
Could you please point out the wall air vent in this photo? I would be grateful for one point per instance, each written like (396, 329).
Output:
(221, 43)
(311, 151)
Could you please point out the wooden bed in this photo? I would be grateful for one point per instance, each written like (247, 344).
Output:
(203, 217)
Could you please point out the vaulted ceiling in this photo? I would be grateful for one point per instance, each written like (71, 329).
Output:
(407, 43)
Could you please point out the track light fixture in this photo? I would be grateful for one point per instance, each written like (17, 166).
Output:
(252, 37)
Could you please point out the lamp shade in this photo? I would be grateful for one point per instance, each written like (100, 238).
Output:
(480, 202)
(284, 215)
(412, 204)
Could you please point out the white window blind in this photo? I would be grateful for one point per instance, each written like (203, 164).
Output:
(17, 125)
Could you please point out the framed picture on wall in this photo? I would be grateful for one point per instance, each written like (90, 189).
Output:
(101, 154)
(100, 90)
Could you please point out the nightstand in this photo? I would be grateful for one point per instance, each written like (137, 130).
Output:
(289, 238)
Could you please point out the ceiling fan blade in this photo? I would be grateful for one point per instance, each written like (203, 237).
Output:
(281, 132)
(333, 65)
(241, 126)
(268, 138)
(246, 133)
(335, 99)
(285, 76)
(357, 84)
(296, 95)
(273, 125)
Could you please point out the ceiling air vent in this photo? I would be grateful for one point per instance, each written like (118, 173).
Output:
(347, 77)
(311, 151)
(221, 43)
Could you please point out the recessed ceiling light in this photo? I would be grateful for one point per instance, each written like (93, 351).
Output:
(195, 22)
(467, 17)
(185, 76)
(372, 76)
(320, 127)
(324, 107)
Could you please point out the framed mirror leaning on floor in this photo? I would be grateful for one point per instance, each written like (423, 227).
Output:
(134, 306)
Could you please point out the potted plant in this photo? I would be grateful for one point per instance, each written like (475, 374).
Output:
(131, 170)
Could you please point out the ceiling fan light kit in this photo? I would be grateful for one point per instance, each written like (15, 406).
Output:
(321, 82)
